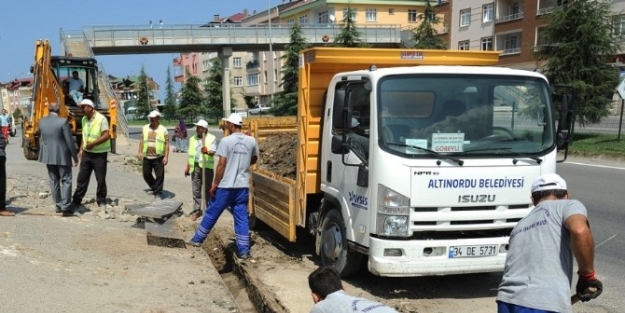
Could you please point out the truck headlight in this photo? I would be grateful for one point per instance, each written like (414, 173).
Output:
(393, 216)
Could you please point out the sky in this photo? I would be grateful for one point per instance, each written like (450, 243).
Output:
(22, 22)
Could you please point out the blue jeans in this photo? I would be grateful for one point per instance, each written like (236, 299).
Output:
(237, 199)
(503, 307)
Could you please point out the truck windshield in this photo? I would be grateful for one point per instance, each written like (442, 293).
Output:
(464, 115)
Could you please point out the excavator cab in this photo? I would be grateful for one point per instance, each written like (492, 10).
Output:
(78, 76)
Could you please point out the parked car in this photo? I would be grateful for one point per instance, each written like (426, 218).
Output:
(259, 109)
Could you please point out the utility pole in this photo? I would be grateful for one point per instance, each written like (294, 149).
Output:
(271, 65)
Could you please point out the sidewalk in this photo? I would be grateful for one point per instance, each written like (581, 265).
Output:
(87, 264)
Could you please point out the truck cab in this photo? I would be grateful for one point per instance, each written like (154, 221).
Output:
(452, 152)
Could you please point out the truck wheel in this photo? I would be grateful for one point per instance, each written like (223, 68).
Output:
(335, 251)
(254, 223)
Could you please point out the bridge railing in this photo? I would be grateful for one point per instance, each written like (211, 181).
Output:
(78, 36)
(232, 34)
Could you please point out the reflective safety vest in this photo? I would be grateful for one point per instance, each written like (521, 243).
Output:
(206, 161)
(161, 131)
(92, 132)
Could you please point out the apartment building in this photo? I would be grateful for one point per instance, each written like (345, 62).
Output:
(512, 27)
(127, 89)
(367, 12)
(16, 93)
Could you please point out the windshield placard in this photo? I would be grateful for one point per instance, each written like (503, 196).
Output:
(447, 142)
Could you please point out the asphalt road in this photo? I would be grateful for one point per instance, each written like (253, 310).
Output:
(600, 187)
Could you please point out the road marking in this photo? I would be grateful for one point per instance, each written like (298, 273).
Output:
(597, 165)
(612, 237)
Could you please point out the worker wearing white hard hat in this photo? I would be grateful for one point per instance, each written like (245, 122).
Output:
(93, 154)
(200, 166)
(237, 152)
(154, 153)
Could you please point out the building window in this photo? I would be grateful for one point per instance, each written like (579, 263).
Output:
(465, 17)
(515, 8)
(290, 21)
(509, 43)
(206, 66)
(391, 11)
(303, 19)
(372, 15)
(237, 63)
(463, 45)
(541, 39)
(354, 11)
(412, 15)
(323, 17)
(252, 79)
(487, 13)
(275, 75)
(237, 81)
(487, 44)
(618, 23)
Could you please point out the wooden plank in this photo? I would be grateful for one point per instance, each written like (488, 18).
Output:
(273, 203)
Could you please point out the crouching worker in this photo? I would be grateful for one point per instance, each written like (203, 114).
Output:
(329, 296)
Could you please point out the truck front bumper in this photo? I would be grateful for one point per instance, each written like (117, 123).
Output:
(432, 257)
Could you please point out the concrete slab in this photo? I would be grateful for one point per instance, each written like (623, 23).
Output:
(165, 235)
(158, 209)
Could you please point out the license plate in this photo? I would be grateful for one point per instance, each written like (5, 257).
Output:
(472, 251)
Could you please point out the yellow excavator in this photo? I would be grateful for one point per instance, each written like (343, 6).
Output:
(65, 80)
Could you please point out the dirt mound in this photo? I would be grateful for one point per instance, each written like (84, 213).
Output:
(277, 154)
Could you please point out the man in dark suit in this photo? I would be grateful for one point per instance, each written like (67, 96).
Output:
(3, 179)
(57, 150)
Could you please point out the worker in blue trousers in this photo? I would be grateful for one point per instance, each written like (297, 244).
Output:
(236, 152)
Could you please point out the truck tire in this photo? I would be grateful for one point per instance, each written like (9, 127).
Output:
(255, 223)
(335, 251)
(29, 154)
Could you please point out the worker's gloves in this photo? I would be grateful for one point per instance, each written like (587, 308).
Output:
(588, 287)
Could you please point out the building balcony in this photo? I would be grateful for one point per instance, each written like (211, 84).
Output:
(253, 90)
(179, 78)
(177, 61)
(252, 65)
(511, 50)
(508, 18)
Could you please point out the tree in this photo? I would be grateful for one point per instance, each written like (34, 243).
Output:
(143, 96)
(17, 114)
(170, 96)
(250, 101)
(425, 35)
(285, 102)
(579, 43)
(191, 98)
(349, 35)
(214, 88)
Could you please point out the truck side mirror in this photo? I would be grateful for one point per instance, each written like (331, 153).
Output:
(339, 146)
(563, 132)
(363, 176)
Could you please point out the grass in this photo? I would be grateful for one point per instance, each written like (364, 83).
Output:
(597, 144)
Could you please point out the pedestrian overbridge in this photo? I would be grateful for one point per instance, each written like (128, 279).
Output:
(222, 38)
(111, 40)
